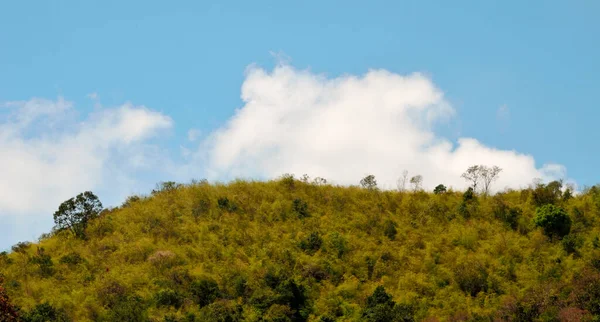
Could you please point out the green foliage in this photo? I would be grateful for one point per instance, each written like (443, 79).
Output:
(21, 247)
(369, 182)
(225, 204)
(75, 213)
(44, 262)
(205, 291)
(168, 297)
(509, 215)
(571, 243)
(471, 277)
(71, 259)
(295, 250)
(129, 308)
(300, 207)
(439, 189)
(45, 312)
(547, 194)
(382, 308)
(389, 229)
(338, 244)
(311, 243)
(167, 186)
(554, 220)
(222, 311)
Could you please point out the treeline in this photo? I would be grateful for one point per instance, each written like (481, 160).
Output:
(304, 250)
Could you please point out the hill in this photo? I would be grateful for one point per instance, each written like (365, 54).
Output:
(289, 250)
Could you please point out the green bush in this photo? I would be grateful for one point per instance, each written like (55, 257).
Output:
(300, 207)
(312, 243)
(205, 291)
(71, 259)
(471, 277)
(168, 297)
(45, 312)
(129, 308)
(44, 262)
(554, 220)
(439, 189)
(571, 243)
(382, 308)
(225, 204)
(221, 311)
(389, 229)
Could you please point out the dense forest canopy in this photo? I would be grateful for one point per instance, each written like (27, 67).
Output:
(301, 250)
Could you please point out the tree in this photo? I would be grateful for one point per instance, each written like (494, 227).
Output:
(382, 308)
(416, 181)
(489, 175)
(165, 187)
(369, 182)
(402, 181)
(545, 194)
(486, 175)
(553, 220)
(75, 213)
(8, 312)
(439, 189)
(472, 175)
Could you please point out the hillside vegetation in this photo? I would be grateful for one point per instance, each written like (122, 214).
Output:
(289, 250)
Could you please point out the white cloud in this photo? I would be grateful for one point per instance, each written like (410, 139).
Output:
(41, 168)
(193, 134)
(344, 128)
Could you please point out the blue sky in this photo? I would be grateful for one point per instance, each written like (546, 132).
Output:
(519, 76)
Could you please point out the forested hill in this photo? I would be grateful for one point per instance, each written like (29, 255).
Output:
(289, 250)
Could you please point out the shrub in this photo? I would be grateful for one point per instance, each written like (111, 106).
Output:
(439, 189)
(312, 243)
(471, 277)
(288, 181)
(205, 291)
(553, 220)
(45, 312)
(382, 308)
(201, 207)
(226, 205)
(166, 186)
(547, 194)
(162, 259)
(44, 262)
(221, 311)
(293, 296)
(389, 229)
(571, 243)
(168, 297)
(338, 243)
(71, 259)
(130, 308)
(300, 207)
(21, 247)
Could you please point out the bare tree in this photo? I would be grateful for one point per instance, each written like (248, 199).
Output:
(488, 175)
(416, 181)
(402, 181)
(472, 175)
(481, 174)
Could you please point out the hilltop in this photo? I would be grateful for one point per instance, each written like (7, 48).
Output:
(289, 250)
